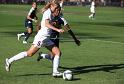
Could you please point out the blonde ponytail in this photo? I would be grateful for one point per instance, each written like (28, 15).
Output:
(45, 7)
(48, 5)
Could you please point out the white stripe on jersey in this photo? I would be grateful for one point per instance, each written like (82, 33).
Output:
(30, 11)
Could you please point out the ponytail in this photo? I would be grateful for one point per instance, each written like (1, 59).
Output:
(48, 5)
(45, 7)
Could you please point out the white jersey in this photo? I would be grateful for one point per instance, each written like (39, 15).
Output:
(92, 8)
(45, 31)
(42, 37)
(93, 4)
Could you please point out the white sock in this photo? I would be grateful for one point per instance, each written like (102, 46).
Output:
(56, 63)
(22, 34)
(91, 16)
(18, 57)
(47, 56)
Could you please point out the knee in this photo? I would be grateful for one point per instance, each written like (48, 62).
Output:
(29, 33)
(59, 54)
(30, 54)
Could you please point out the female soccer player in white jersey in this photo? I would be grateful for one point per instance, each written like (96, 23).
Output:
(57, 22)
(42, 39)
(92, 10)
(29, 23)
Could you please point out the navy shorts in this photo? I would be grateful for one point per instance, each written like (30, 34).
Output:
(56, 42)
(55, 38)
(28, 24)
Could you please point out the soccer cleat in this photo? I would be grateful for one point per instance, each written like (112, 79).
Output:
(39, 56)
(19, 36)
(7, 65)
(25, 42)
(57, 74)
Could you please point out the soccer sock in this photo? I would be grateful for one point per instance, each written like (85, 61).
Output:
(18, 57)
(47, 56)
(27, 36)
(22, 34)
(25, 33)
(91, 16)
(56, 63)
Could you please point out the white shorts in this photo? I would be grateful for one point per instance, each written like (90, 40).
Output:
(92, 10)
(42, 41)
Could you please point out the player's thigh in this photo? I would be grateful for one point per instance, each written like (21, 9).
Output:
(29, 30)
(33, 49)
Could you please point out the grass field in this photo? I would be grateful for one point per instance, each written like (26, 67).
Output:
(99, 60)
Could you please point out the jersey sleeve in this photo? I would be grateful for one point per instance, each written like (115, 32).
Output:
(31, 10)
(47, 15)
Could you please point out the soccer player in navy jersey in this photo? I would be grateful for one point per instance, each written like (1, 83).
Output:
(31, 17)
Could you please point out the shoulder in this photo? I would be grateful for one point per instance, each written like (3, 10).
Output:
(32, 9)
(47, 12)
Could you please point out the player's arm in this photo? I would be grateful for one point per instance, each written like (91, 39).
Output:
(72, 34)
(28, 16)
(47, 23)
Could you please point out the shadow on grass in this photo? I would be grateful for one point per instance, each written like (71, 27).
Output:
(94, 68)
(83, 69)
(116, 24)
(88, 35)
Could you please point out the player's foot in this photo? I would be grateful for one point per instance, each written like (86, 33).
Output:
(39, 56)
(93, 18)
(89, 17)
(7, 65)
(57, 74)
(25, 42)
(19, 36)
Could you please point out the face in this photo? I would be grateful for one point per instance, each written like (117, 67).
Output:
(56, 12)
(34, 5)
(53, 7)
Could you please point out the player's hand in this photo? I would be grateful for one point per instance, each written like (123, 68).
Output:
(78, 42)
(35, 21)
(60, 30)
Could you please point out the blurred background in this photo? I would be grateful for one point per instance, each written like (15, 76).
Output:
(117, 3)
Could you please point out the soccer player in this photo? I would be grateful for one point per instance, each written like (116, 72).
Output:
(54, 37)
(57, 21)
(42, 39)
(66, 25)
(92, 10)
(31, 17)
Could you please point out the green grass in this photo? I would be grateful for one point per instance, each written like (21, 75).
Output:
(99, 60)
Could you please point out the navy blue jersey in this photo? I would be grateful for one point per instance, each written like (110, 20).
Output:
(57, 22)
(32, 13)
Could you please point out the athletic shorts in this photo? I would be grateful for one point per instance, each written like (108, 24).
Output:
(56, 42)
(42, 42)
(92, 10)
(28, 24)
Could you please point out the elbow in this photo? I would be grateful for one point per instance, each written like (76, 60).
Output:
(28, 17)
(47, 25)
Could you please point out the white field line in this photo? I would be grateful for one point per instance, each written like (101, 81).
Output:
(114, 42)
